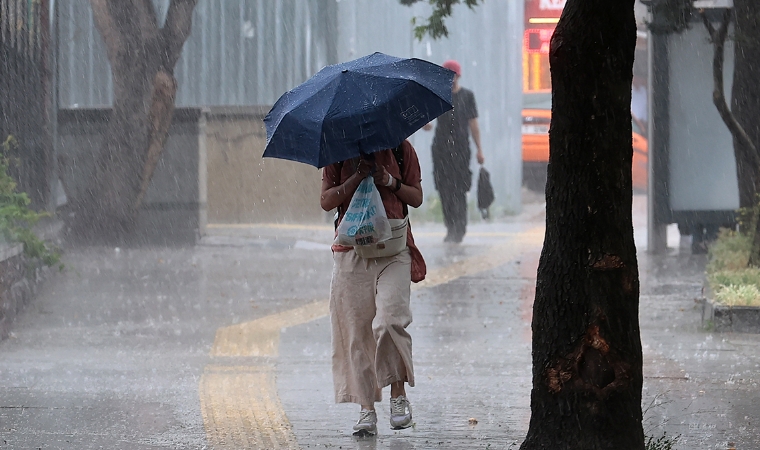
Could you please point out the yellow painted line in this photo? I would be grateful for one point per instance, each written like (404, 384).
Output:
(240, 405)
(261, 337)
(496, 256)
(241, 409)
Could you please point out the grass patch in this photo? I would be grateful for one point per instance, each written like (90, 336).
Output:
(729, 252)
(664, 442)
(738, 295)
(729, 277)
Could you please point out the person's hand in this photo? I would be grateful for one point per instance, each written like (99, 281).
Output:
(364, 168)
(481, 158)
(382, 177)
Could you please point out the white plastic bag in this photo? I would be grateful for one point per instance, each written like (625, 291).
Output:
(365, 221)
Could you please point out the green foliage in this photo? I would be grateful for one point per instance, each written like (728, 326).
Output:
(435, 26)
(664, 442)
(747, 217)
(729, 252)
(738, 295)
(746, 276)
(730, 278)
(16, 219)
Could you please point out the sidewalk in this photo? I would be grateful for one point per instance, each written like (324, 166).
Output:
(227, 345)
(472, 348)
(701, 385)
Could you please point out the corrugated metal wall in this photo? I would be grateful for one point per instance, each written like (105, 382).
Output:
(248, 52)
(241, 52)
(24, 95)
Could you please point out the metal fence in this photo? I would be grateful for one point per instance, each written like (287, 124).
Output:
(23, 93)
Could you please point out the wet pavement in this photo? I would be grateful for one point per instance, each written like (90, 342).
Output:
(226, 345)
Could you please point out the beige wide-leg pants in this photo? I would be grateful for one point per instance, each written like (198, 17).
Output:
(369, 313)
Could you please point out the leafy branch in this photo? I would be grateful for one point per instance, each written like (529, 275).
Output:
(16, 218)
(435, 25)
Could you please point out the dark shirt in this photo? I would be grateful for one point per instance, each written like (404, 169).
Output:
(453, 127)
(451, 143)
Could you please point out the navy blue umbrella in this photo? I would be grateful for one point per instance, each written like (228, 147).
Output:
(359, 107)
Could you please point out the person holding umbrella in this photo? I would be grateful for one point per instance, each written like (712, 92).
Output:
(352, 119)
(370, 298)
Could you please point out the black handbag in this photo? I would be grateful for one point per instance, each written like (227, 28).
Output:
(485, 192)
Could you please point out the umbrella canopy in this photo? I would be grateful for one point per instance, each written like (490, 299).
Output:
(358, 107)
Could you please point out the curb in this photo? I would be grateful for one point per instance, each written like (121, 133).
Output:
(732, 319)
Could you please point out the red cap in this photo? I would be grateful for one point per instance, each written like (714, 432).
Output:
(453, 66)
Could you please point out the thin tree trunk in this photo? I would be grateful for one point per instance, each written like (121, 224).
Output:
(587, 360)
(741, 118)
(745, 151)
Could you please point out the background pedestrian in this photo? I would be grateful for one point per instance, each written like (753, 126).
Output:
(451, 155)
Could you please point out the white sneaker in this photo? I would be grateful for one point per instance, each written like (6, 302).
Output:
(401, 413)
(367, 423)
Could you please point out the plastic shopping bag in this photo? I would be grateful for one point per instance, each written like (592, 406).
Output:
(365, 221)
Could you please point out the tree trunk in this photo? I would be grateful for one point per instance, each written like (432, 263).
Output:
(587, 360)
(745, 150)
(161, 113)
(745, 104)
(745, 98)
(142, 58)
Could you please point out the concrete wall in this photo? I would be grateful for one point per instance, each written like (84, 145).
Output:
(173, 211)
(243, 187)
(211, 171)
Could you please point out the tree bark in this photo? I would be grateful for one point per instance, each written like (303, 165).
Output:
(745, 104)
(142, 58)
(745, 99)
(587, 358)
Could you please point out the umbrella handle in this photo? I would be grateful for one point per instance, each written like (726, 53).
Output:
(367, 157)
